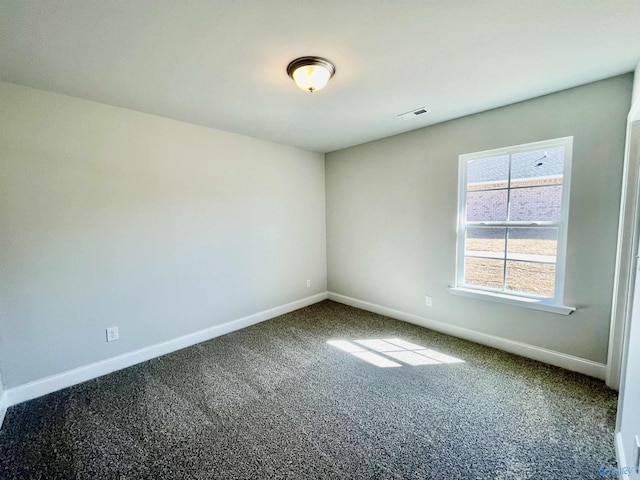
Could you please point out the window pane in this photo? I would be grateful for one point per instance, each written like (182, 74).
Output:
(536, 204)
(486, 241)
(531, 278)
(487, 206)
(532, 244)
(488, 173)
(483, 272)
(537, 167)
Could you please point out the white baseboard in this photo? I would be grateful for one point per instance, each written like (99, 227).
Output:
(620, 457)
(3, 408)
(44, 386)
(569, 362)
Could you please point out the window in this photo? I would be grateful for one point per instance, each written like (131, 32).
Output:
(512, 223)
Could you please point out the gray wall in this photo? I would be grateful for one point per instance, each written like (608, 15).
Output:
(391, 216)
(636, 85)
(114, 217)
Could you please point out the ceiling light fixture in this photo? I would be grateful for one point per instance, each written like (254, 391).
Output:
(311, 73)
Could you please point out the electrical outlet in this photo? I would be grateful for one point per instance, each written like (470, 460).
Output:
(308, 283)
(429, 301)
(112, 334)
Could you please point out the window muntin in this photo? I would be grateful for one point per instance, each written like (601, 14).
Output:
(513, 211)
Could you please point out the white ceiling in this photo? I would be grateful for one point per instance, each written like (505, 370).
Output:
(222, 63)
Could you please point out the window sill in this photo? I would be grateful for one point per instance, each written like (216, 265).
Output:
(513, 300)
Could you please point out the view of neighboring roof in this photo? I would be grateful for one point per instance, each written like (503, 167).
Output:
(533, 164)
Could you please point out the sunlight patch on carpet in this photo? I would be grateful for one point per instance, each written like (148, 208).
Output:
(387, 352)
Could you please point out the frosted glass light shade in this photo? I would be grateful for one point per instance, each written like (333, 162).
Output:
(311, 73)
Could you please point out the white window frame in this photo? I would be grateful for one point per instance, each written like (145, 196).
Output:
(554, 304)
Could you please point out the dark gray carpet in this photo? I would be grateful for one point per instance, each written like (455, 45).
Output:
(276, 401)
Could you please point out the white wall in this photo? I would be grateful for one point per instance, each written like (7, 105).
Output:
(628, 424)
(391, 217)
(114, 217)
(628, 421)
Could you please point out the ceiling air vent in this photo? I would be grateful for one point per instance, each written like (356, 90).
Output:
(414, 113)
